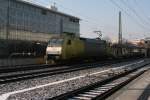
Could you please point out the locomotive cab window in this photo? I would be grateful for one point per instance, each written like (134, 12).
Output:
(69, 42)
(55, 42)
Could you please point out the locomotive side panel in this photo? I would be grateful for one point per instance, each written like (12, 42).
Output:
(94, 48)
(72, 48)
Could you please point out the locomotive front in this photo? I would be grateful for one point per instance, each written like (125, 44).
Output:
(54, 49)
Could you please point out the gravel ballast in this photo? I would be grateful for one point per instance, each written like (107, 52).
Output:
(51, 90)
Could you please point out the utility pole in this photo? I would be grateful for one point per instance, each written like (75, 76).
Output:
(120, 29)
(120, 34)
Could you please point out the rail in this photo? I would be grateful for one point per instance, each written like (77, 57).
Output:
(103, 89)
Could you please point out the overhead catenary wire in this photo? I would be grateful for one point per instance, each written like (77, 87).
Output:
(133, 19)
(135, 12)
(138, 16)
(141, 10)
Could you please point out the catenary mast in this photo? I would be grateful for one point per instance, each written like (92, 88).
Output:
(120, 29)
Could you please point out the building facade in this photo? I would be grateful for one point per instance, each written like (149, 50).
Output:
(20, 20)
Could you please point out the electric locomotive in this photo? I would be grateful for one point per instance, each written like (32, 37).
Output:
(71, 48)
(75, 48)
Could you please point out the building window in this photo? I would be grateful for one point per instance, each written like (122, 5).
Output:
(44, 12)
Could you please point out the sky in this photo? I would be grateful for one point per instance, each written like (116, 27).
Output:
(103, 15)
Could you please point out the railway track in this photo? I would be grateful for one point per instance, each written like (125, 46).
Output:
(29, 72)
(9, 69)
(11, 77)
(103, 89)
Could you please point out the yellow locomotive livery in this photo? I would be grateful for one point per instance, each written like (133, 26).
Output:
(69, 47)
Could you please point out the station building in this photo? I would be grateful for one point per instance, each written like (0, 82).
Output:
(20, 20)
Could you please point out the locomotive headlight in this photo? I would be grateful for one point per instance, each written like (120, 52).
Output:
(54, 50)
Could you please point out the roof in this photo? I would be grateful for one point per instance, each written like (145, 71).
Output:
(44, 8)
(93, 40)
(148, 38)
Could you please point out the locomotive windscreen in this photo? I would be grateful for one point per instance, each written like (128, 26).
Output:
(55, 42)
